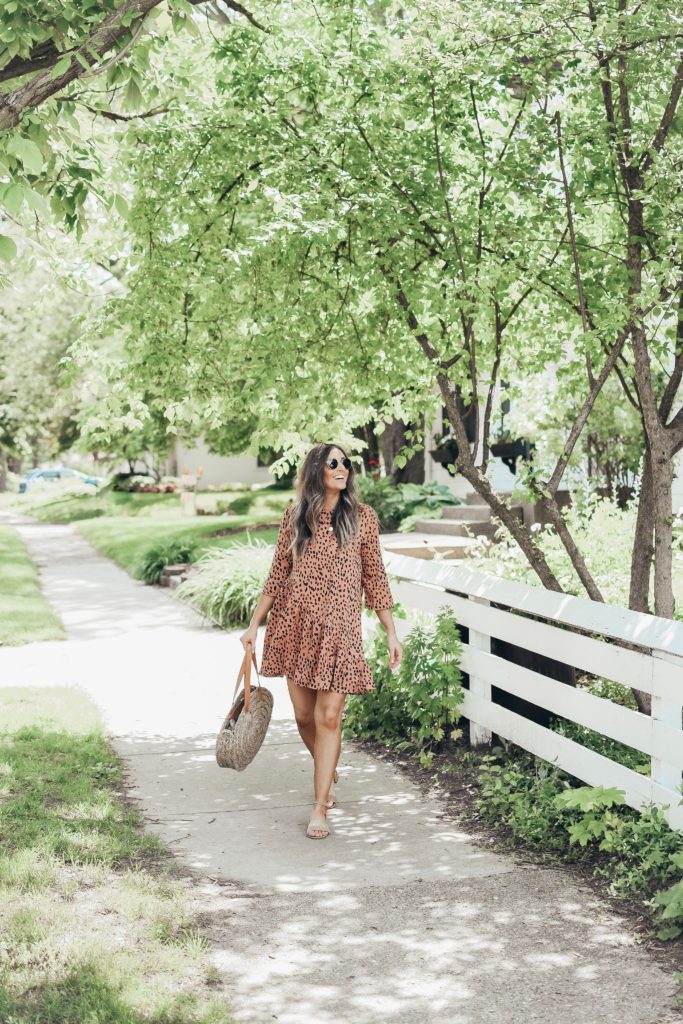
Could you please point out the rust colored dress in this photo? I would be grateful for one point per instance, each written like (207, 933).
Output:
(313, 634)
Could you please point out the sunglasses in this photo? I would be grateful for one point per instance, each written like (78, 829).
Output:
(333, 463)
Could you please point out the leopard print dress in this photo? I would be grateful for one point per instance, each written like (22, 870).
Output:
(313, 634)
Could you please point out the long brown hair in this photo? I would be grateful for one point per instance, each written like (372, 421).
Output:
(310, 490)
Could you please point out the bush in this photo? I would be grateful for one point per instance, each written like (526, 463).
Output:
(399, 506)
(228, 582)
(167, 552)
(543, 806)
(518, 790)
(140, 483)
(604, 533)
(239, 506)
(417, 706)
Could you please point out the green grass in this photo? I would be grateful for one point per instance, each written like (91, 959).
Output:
(96, 923)
(59, 504)
(25, 615)
(128, 538)
(127, 541)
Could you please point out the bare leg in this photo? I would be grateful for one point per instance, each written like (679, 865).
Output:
(303, 702)
(329, 707)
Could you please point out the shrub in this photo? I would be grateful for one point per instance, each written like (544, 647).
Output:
(417, 706)
(543, 806)
(378, 492)
(167, 552)
(140, 483)
(604, 534)
(228, 582)
(518, 791)
(237, 506)
(399, 506)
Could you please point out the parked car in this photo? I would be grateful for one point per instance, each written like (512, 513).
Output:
(60, 473)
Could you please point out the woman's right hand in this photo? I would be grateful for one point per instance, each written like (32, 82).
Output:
(249, 637)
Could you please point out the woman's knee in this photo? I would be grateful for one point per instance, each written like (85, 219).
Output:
(304, 717)
(328, 716)
(303, 704)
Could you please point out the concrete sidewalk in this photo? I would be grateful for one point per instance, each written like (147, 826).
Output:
(398, 916)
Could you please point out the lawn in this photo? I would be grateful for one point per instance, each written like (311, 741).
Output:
(25, 615)
(95, 918)
(61, 506)
(59, 503)
(126, 541)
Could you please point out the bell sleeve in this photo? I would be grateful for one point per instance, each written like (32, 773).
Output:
(373, 575)
(281, 565)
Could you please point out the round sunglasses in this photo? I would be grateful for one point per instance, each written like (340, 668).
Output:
(333, 463)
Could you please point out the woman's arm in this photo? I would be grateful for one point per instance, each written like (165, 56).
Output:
(376, 587)
(395, 650)
(265, 603)
(280, 569)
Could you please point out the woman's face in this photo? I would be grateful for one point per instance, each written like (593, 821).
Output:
(335, 479)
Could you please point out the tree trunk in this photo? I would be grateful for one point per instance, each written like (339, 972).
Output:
(371, 453)
(663, 476)
(482, 486)
(392, 440)
(643, 546)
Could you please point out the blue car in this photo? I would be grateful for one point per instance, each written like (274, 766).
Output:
(62, 473)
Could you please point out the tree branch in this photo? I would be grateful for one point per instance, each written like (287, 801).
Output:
(666, 121)
(586, 408)
(44, 55)
(43, 85)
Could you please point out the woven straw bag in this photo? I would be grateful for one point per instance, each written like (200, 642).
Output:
(245, 725)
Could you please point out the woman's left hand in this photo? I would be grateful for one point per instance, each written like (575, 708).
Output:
(395, 651)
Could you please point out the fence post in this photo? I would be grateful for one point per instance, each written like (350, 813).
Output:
(479, 736)
(669, 713)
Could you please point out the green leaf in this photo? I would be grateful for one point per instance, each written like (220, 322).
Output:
(29, 154)
(588, 798)
(61, 67)
(133, 96)
(121, 206)
(12, 198)
(8, 249)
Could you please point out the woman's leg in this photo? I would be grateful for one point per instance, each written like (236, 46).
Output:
(329, 707)
(303, 702)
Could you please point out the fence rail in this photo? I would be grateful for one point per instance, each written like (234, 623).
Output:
(583, 634)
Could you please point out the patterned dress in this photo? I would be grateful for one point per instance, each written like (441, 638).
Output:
(313, 634)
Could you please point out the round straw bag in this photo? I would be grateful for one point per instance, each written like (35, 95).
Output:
(246, 723)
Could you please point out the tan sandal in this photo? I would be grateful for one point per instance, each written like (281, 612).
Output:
(332, 796)
(317, 828)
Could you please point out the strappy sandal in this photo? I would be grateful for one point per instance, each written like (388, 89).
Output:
(332, 796)
(317, 828)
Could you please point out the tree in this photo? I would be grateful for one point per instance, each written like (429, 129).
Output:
(370, 208)
(76, 62)
(37, 328)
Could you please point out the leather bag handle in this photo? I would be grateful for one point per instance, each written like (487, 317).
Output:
(245, 670)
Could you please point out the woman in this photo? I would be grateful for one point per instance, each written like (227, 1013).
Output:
(327, 554)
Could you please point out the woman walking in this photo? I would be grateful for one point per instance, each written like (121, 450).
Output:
(327, 555)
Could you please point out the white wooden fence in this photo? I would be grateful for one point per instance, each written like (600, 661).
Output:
(577, 632)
